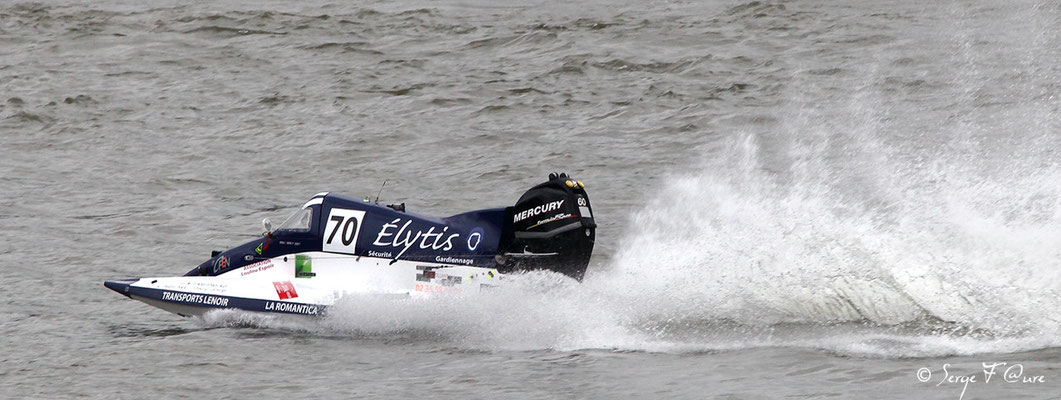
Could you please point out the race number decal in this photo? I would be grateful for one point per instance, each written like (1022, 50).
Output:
(340, 232)
(583, 207)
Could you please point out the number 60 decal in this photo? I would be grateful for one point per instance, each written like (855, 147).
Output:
(340, 232)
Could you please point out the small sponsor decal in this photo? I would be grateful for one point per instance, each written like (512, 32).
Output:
(303, 266)
(550, 206)
(285, 290)
(294, 308)
(380, 254)
(429, 288)
(195, 298)
(220, 264)
(554, 218)
(450, 280)
(259, 248)
(426, 274)
(256, 267)
(474, 238)
(453, 260)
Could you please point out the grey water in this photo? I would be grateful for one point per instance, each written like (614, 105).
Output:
(796, 199)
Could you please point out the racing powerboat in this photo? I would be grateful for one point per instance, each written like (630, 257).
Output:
(334, 245)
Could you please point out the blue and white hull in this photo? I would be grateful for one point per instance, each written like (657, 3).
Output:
(334, 245)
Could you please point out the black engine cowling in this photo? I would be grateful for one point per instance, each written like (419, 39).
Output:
(550, 227)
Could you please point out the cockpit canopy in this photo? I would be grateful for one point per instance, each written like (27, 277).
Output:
(299, 221)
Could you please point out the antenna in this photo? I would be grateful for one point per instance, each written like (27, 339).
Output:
(380, 191)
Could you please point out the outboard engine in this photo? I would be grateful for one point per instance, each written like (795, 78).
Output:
(550, 227)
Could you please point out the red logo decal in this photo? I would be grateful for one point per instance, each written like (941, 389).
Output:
(285, 290)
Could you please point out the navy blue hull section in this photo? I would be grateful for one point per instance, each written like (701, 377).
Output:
(374, 230)
(120, 285)
(124, 286)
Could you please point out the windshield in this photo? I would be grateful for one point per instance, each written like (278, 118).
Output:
(298, 222)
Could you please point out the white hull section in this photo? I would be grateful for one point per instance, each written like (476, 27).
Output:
(305, 284)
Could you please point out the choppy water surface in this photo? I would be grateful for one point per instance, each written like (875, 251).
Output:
(796, 199)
